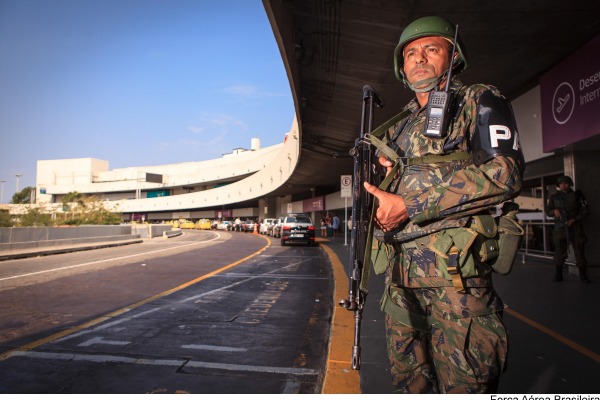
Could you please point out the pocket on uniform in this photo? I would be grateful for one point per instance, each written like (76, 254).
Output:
(423, 264)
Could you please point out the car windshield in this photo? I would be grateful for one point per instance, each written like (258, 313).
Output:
(299, 218)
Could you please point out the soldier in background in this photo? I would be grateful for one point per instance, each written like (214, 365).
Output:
(569, 209)
(444, 324)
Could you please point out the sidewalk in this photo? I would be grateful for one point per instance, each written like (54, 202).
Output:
(375, 375)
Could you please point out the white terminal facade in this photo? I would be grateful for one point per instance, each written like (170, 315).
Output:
(174, 191)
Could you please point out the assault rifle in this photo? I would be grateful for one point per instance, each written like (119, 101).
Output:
(362, 205)
(564, 224)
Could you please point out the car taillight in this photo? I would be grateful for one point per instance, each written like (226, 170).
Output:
(311, 228)
(287, 227)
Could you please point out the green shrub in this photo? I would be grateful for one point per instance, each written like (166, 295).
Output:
(6, 220)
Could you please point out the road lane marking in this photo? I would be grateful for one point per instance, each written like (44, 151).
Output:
(213, 348)
(249, 278)
(566, 341)
(98, 358)
(291, 387)
(30, 346)
(252, 368)
(179, 363)
(100, 340)
(110, 259)
(273, 275)
(107, 325)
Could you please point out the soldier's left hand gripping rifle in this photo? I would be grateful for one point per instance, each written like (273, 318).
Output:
(362, 205)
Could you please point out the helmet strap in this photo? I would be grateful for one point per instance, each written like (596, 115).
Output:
(430, 82)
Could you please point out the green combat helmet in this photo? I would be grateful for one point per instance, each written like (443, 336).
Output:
(422, 27)
(564, 179)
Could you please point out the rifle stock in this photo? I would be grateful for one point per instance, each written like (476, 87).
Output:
(361, 208)
(564, 220)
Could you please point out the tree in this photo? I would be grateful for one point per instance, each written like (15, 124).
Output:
(35, 217)
(88, 210)
(23, 197)
(6, 220)
(72, 197)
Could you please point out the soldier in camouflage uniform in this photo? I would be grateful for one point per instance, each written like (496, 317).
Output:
(443, 318)
(569, 208)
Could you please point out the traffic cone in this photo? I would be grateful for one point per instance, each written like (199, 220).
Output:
(255, 231)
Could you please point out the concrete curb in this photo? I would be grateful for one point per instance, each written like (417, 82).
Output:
(38, 252)
(340, 378)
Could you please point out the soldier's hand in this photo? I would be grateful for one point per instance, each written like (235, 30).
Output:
(386, 163)
(391, 210)
(557, 214)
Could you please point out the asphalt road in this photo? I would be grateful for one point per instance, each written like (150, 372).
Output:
(206, 312)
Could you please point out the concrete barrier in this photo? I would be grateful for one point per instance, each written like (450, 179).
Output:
(27, 239)
(46, 233)
(12, 247)
(151, 230)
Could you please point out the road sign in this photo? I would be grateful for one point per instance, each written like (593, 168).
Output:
(346, 183)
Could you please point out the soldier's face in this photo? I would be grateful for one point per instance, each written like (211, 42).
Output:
(564, 186)
(426, 58)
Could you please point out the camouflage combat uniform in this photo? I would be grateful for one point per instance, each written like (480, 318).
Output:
(454, 342)
(574, 206)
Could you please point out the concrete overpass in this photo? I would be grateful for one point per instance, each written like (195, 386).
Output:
(332, 48)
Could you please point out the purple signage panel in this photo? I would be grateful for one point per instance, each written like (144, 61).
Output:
(313, 204)
(570, 97)
(220, 214)
(139, 216)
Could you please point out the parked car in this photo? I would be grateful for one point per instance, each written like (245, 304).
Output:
(225, 226)
(203, 224)
(186, 224)
(248, 226)
(297, 228)
(266, 224)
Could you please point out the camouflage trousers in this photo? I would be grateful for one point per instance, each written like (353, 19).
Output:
(578, 239)
(454, 355)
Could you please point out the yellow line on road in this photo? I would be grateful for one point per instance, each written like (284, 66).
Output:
(106, 317)
(340, 378)
(568, 342)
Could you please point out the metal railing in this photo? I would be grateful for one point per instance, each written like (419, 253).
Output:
(537, 241)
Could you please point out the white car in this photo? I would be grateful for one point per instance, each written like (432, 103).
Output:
(225, 226)
(264, 227)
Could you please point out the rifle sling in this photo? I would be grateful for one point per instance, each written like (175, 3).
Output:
(398, 162)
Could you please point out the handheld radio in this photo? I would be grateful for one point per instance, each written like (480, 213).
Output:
(439, 106)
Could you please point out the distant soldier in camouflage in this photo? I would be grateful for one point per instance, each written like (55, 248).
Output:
(443, 318)
(569, 209)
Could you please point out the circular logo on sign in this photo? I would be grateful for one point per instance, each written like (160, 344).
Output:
(563, 103)
(346, 181)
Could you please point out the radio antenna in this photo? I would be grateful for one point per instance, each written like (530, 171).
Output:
(451, 67)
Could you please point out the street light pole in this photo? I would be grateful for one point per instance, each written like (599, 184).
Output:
(18, 177)
(2, 192)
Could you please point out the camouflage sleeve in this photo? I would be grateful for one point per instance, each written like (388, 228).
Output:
(469, 189)
(493, 179)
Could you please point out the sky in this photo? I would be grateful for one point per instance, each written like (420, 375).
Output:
(136, 82)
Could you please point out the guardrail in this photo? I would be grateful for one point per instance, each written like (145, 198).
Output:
(537, 241)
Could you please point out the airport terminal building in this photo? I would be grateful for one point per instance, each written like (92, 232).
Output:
(239, 184)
